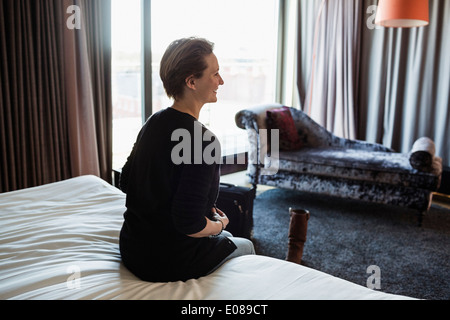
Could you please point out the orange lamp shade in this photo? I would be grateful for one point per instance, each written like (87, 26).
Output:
(402, 13)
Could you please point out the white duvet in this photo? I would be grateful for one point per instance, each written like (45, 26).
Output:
(60, 241)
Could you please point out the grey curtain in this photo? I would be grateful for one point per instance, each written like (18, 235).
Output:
(55, 103)
(405, 82)
(329, 44)
(384, 85)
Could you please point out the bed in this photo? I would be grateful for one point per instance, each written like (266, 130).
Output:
(60, 241)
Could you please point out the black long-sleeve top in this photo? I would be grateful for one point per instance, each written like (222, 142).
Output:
(171, 186)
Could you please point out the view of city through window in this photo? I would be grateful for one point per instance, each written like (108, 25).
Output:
(126, 77)
(245, 38)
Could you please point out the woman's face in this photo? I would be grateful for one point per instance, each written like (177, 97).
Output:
(208, 84)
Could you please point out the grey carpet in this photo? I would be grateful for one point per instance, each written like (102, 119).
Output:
(345, 237)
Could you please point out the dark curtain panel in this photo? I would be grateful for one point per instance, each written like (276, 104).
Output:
(405, 82)
(39, 100)
(33, 128)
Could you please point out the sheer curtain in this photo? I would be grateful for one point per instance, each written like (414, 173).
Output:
(87, 54)
(329, 38)
(54, 92)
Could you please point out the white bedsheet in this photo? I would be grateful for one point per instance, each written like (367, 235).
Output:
(60, 241)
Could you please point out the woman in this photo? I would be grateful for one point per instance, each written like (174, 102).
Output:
(172, 229)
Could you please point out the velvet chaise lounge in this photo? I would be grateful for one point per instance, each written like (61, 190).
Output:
(312, 159)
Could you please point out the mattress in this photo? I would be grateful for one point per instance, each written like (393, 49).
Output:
(60, 241)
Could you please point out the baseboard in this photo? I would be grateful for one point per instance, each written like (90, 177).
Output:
(440, 197)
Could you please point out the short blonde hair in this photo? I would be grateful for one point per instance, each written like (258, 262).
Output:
(183, 58)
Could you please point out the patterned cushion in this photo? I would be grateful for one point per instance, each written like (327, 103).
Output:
(281, 119)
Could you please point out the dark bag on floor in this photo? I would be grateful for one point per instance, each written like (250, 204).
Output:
(237, 203)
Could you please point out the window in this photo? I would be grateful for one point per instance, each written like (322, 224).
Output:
(126, 77)
(245, 34)
(245, 37)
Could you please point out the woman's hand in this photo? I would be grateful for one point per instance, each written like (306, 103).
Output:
(213, 227)
(220, 215)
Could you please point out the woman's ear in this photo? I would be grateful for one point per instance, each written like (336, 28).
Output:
(190, 82)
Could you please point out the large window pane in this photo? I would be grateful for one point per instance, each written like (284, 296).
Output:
(126, 77)
(245, 37)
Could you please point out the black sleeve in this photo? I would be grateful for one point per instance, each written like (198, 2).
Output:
(123, 180)
(190, 202)
(125, 172)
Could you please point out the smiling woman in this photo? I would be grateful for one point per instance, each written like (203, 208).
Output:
(196, 73)
(203, 88)
(191, 80)
(173, 229)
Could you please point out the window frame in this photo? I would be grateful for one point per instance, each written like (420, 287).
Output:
(146, 75)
